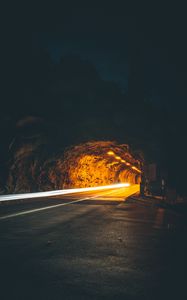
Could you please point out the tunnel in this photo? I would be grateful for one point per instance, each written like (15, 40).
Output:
(89, 164)
(99, 163)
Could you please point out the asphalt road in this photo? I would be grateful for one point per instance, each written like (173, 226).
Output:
(92, 246)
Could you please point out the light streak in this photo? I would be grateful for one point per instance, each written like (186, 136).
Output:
(60, 192)
(53, 206)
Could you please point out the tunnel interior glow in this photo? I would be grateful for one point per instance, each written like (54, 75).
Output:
(100, 163)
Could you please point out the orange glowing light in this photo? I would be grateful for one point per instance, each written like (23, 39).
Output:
(96, 164)
(118, 157)
(136, 169)
(110, 153)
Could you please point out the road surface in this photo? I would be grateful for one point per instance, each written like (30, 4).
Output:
(92, 246)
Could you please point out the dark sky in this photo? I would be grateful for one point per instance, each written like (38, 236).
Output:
(110, 60)
(103, 34)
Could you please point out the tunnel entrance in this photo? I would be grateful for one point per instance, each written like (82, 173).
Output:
(100, 163)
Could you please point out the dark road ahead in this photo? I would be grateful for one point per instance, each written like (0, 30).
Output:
(94, 249)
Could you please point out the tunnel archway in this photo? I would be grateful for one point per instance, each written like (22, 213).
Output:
(99, 163)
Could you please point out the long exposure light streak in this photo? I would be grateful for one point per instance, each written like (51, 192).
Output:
(60, 192)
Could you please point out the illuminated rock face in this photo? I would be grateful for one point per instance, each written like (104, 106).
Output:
(90, 170)
(85, 165)
(99, 163)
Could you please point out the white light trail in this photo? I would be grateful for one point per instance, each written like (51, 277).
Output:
(60, 192)
(51, 206)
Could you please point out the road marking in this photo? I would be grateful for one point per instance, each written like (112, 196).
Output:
(39, 209)
(49, 207)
